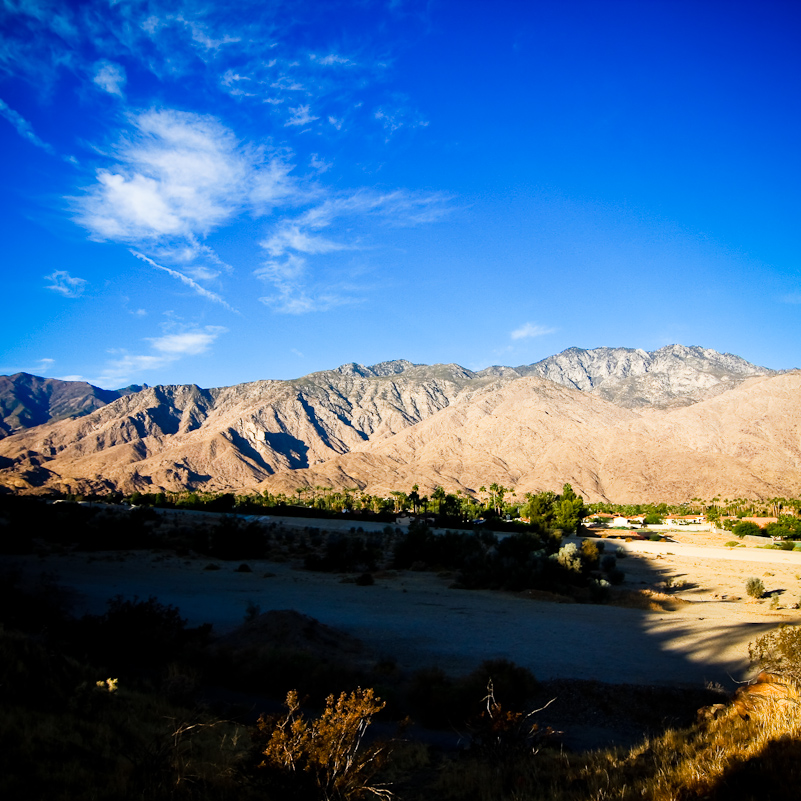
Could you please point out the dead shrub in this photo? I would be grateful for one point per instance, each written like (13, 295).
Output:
(325, 755)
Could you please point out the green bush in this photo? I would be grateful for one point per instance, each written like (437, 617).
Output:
(746, 527)
(755, 587)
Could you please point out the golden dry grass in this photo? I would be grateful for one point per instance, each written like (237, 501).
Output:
(724, 759)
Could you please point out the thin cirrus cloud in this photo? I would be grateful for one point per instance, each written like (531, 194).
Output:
(167, 179)
(69, 286)
(294, 293)
(185, 279)
(110, 77)
(23, 127)
(531, 330)
(176, 177)
(301, 116)
(243, 55)
(294, 240)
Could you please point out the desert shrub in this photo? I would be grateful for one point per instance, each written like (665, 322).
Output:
(234, 539)
(755, 587)
(252, 611)
(512, 684)
(778, 651)
(732, 544)
(609, 562)
(503, 734)
(590, 554)
(134, 633)
(569, 558)
(616, 576)
(451, 550)
(344, 554)
(324, 757)
(599, 590)
(433, 698)
(437, 700)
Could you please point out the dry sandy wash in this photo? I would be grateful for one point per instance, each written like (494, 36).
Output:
(416, 619)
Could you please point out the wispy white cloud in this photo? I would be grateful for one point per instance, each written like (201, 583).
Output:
(319, 164)
(292, 293)
(65, 284)
(292, 240)
(301, 116)
(187, 343)
(175, 178)
(289, 236)
(166, 350)
(110, 77)
(185, 279)
(393, 119)
(332, 59)
(531, 330)
(176, 174)
(237, 85)
(24, 128)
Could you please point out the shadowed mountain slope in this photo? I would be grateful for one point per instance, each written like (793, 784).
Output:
(178, 437)
(27, 400)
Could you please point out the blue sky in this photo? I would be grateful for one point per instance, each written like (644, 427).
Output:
(216, 193)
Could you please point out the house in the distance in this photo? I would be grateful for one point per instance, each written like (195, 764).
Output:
(685, 520)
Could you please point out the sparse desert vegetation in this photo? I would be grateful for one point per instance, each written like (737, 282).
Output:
(138, 701)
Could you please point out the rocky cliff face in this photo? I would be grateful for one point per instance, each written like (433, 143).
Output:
(670, 377)
(532, 434)
(179, 437)
(397, 423)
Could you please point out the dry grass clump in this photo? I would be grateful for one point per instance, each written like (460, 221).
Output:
(648, 600)
(727, 759)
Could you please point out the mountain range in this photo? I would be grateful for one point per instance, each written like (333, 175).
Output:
(617, 423)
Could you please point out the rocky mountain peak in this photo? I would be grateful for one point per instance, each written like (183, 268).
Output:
(393, 367)
(675, 375)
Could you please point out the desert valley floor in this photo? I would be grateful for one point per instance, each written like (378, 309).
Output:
(700, 634)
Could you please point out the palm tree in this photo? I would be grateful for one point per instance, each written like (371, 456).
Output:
(439, 496)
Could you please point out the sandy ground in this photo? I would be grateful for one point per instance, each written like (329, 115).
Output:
(416, 619)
